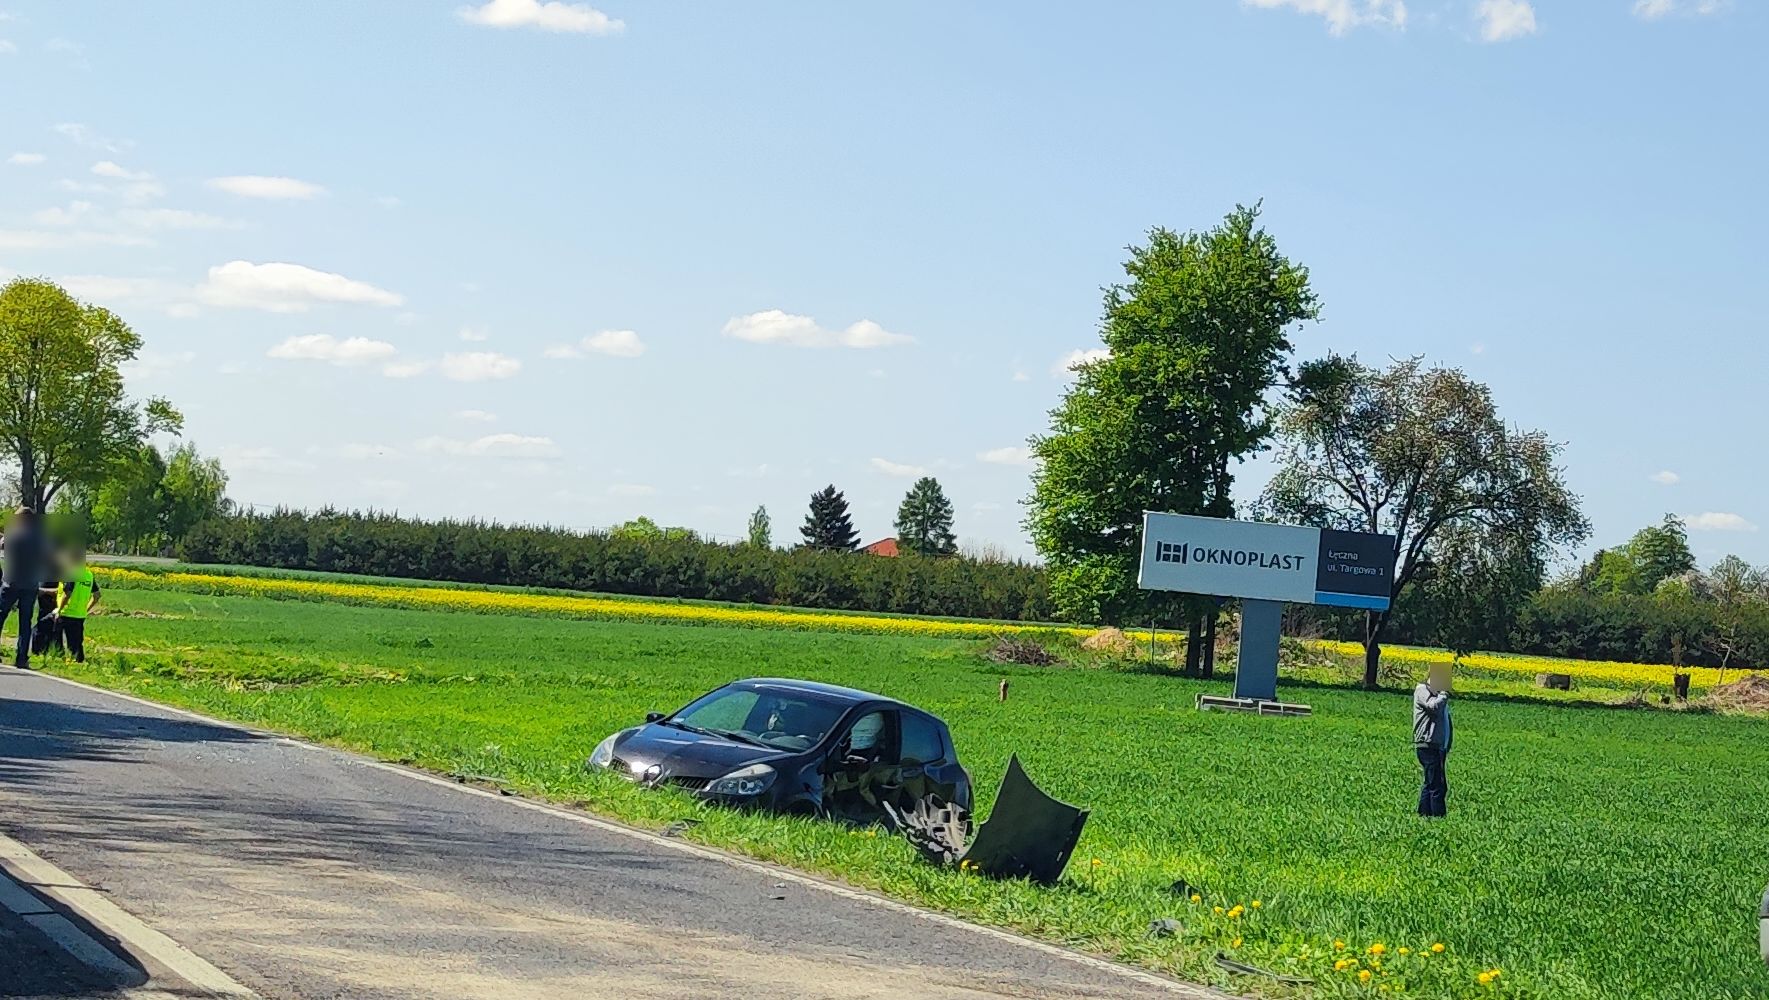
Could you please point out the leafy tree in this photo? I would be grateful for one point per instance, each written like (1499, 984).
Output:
(191, 489)
(761, 529)
(127, 506)
(924, 520)
(1417, 453)
(1612, 571)
(1660, 552)
(828, 525)
(64, 417)
(645, 529)
(1475, 585)
(1197, 337)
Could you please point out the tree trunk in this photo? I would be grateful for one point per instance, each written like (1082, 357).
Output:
(1210, 644)
(1194, 646)
(1373, 624)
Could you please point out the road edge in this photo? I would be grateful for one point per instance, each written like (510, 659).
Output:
(1179, 988)
(32, 876)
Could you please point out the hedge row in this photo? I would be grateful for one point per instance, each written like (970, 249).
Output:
(1566, 621)
(477, 552)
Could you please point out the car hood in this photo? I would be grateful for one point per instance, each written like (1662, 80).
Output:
(678, 753)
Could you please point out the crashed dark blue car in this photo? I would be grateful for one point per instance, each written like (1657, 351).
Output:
(796, 747)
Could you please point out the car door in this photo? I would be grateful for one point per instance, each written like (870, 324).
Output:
(864, 768)
(928, 766)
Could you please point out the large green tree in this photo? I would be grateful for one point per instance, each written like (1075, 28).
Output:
(924, 520)
(828, 524)
(1195, 338)
(65, 417)
(1421, 454)
(192, 488)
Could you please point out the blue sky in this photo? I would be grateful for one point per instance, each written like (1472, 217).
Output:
(574, 264)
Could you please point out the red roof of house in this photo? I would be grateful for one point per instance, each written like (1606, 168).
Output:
(882, 547)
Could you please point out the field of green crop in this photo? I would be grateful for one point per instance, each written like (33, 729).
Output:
(1591, 852)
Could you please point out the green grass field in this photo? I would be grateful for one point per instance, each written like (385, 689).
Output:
(1591, 852)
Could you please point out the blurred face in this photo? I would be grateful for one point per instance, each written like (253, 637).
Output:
(1438, 676)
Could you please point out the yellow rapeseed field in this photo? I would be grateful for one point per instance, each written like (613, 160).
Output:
(1635, 675)
(504, 602)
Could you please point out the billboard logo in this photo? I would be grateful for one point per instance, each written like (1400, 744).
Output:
(1172, 552)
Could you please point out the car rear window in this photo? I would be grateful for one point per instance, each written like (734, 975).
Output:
(922, 743)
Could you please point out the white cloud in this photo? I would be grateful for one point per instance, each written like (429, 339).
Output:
(80, 135)
(546, 15)
(1343, 15)
(1717, 521)
(477, 366)
(329, 349)
(74, 214)
(7, 48)
(286, 288)
(631, 490)
(772, 326)
(898, 469)
(1666, 478)
(26, 159)
(478, 416)
(1652, 10)
(33, 239)
(105, 168)
(1503, 20)
(474, 334)
(405, 369)
(262, 460)
(492, 446)
(174, 218)
(1065, 366)
(1020, 376)
(256, 186)
(1010, 455)
(613, 343)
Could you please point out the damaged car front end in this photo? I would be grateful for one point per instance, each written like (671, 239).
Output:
(793, 746)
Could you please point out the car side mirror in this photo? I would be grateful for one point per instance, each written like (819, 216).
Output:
(653, 716)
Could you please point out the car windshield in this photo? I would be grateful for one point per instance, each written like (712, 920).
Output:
(777, 718)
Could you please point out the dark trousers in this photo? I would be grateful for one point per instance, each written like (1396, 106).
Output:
(73, 630)
(44, 634)
(1437, 782)
(26, 602)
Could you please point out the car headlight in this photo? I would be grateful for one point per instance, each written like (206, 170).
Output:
(603, 755)
(744, 782)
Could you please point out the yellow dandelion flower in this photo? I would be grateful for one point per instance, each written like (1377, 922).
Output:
(1484, 979)
(1404, 950)
(1255, 904)
(1338, 945)
(1097, 862)
(1197, 898)
(1364, 976)
(1378, 948)
(1236, 943)
(1235, 913)
(1437, 949)
(1216, 909)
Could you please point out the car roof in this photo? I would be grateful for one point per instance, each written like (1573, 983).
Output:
(815, 687)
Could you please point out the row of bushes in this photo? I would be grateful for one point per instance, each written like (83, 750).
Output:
(1571, 622)
(667, 566)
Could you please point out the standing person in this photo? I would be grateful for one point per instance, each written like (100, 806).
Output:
(1432, 737)
(22, 555)
(79, 597)
(47, 631)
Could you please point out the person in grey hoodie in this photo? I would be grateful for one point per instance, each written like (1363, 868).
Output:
(1432, 737)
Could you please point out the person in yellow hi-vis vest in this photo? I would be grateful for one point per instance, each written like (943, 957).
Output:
(79, 596)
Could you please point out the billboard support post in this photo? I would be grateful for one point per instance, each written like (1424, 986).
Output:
(1256, 666)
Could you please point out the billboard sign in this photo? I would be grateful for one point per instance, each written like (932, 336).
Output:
(1267, 562)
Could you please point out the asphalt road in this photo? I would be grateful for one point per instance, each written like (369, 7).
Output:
(308, 873)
